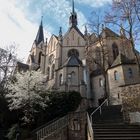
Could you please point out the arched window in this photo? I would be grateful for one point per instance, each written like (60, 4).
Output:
(116, 76)
(130, 73)
(78, 41)
(53, 69)
(115, 50)
(101, 83)
(60, 79)
(98, 55)
(48, 73)
(39, 58)
(73, 52)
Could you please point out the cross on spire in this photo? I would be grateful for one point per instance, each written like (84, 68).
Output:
(73, 17)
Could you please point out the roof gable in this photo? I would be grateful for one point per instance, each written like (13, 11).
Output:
(73, 37)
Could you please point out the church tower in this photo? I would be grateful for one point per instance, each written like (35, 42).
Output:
(35, 58)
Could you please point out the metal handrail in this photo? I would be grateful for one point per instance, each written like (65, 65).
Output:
(52, 128)
(89, 128)
(98, 108)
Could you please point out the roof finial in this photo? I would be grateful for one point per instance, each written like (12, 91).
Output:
(73, 6)
(86, 32)
(41, 20)
(60, 31)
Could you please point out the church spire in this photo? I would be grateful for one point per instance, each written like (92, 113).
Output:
(73, 17)
(40, 35)
(73, 6)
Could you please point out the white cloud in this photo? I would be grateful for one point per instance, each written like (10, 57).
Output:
(16, 29)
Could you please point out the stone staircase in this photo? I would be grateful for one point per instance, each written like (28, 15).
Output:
(110, 126)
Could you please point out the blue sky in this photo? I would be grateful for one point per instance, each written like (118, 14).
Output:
(20, 19)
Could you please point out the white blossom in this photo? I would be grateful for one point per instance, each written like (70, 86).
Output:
(25, 93)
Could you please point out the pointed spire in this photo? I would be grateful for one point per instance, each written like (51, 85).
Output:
(73, 6)
(60, 31)
(60, 35)
(40, 35)
(73, 17)
(86, 32)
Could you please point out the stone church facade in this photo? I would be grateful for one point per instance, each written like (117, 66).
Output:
(63, 60)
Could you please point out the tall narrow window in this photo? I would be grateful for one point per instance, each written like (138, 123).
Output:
(78, 41)
(115, 50)
(60, 79)
(116, 76)
(73, 35)
(130, 73)
(101, 83)
(53, 69)
(48, 73)
(39, 58)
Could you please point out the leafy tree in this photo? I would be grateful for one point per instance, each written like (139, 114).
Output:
(26, 94)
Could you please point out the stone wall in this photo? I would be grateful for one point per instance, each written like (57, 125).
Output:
(76, 129)
(130, 96)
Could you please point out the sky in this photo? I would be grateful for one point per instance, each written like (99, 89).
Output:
(20, 19)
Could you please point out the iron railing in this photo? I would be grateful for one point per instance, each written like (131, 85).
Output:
(52, 128)
(98, 108)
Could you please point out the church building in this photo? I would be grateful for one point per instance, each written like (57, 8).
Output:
(74, 61)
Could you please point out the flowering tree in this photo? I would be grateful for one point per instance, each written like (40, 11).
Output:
(7, 65)
(27, 93)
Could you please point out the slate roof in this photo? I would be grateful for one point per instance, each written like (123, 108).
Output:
(96, 72)
(22, 67)
(73, 61)
(122, 59)
(40, 35)
(109, 33)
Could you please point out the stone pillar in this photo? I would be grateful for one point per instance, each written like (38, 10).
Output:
(77, 126)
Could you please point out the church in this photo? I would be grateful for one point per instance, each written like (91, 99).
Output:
(94, 67)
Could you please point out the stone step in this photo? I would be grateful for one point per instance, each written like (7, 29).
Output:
(116, 126)
(118, 135)
(119, 138)
(109, 125)
(117, 132)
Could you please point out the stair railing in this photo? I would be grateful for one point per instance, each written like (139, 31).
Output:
(98, 108)
(90, 133)
(52, 128)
